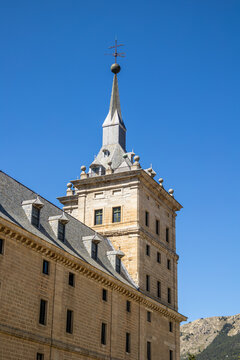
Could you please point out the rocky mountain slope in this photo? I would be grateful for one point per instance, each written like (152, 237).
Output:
(212, 338)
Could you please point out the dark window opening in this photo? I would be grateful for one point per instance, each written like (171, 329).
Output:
(167, 234)
(40, 356)
(94, 250)
(158, 257)
(146, 218)
(128, 306)
(128, 338)
(116, 214)
(170, 326)
(35, 216)
(149, 316)
(61, 231)
(69, 322)
(1, 246)
(71, 279)
(104, 294)
(118, 264)
(169, 264)
(103, 334)
(157, 227)
(147, 250)
(147, 282)
(45, 268)
(98, 217)
(158, 289)
(43, 312)
(170, 355)
(149, 350)
(169, 296)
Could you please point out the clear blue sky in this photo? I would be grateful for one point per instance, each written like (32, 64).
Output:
(179, 89)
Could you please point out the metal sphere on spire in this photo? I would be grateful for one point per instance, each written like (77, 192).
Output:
(115, 68)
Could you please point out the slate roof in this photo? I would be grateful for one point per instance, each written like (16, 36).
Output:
(13, 193)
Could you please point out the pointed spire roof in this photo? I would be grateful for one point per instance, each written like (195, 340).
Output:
(114, 115)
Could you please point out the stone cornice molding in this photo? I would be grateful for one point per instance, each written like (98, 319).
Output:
(50, 251)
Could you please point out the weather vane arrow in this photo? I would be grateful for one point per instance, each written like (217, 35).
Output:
(115, 68)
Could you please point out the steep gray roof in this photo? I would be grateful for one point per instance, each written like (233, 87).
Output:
(13, 194)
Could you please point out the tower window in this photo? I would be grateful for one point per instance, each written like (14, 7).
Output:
(71, 279)
(103, 334)
(94, 250)
(149, 357)
(116, 214)
(61, 231)
(147, 250)
(128, 306)
(69, 322)
(170, 326)
(169, 296)
(158, 289)
(43, 312)
(167, 234)
(40, 356)
(128, 337)
(170, 355)
(149, 316)
(98, 217)
(35, 216)
(157, 227)
(169, 264)
(1, 246)
(158, 257)
(147, 282)
(104, 294)
(146, 218)
(45, 268)
(118, 264)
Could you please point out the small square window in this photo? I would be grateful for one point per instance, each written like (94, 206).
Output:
(103, 334)
(94, 250)
(40, 356)
(158, 257)
(146, 218)
(149, 316)
(170, 326)
(157, 227)
(147, 282)
(169, 264)
(43, 312)
(35, 216)
(69, 322)
(98, 217)
(118, 264)
(71, 279)
(167, 234)
(45, 268)
(116, 214)
(61, 231)
(147, 250)
(128, 306)
(104, 294)
(1, 246)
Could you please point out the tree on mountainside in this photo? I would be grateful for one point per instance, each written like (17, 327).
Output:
(191, 357)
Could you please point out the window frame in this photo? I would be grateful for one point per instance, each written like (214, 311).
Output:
(43, 312)
(158, 257)
(146, 218)
(104, 333)
(159, 289)
(128, 306)
(61, 231)
(147, 249)
(167, 234)
(116, 210)
(69, 321)
(35, 219)
(170, 355)
(45, 270)
(71, 279)
(96, 217)
(169, 296)
(168, 264)
(149, 316)
(104, 294)
(118, 265)
(147, 282)
(39, 356)
(149, 352)
(128, 343)
(157, 227)
(170, 326)
(94, 251)
(2, 243)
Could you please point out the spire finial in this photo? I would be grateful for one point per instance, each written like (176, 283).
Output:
(115, 68)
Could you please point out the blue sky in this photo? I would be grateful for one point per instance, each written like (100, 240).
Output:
(179, 90)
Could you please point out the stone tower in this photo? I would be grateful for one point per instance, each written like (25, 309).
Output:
(123, 202)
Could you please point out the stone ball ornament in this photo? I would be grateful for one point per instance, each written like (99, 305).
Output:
(171, 191)
(69, 185)
(83, 168)
(115, 68)
(136, 158)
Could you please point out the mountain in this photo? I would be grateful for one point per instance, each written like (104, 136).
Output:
(214, 338)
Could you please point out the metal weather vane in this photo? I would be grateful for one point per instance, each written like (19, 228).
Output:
(115, 68)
